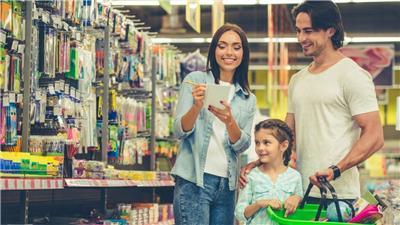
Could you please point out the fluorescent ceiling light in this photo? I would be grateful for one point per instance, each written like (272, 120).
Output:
(277, 40)
(227, 2)
(374, 39)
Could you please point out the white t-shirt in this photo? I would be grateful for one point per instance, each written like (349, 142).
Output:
(323, 105)
(216, 161)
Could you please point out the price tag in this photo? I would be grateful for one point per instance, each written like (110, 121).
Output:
(14, 45)
(66, 89)
(51, 89)
(12, 97)
(38, 184)
(57, 86)
(46, 17)
(19, 98)
(28, 184)
(38, 95)
(53, 20)
(3, 37)
(78, 36)
(66, 27)
(35, 14)
(57, 110)
(6, 100)
(73, 92)
(78, 95)
(62, 85)
(21, 48)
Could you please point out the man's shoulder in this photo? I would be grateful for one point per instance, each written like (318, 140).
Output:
(349, 68)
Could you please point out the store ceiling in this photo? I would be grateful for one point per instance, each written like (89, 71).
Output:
(360, 19)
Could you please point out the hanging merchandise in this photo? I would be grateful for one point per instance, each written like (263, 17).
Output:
(47, 48)
(11, 124)
(100, 55)
(88, 121)
(17, 21)
(3, 66)
(7, 72)
(87, 12)
(6, 15)
(117, 24)
(3, 114)
(35, 55)
(73, 143)
(112, 116)
(114, 143)
(133, 151)
(63, 56)
(15, 74)
(193, 62)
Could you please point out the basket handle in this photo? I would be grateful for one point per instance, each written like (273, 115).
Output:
(325, 185)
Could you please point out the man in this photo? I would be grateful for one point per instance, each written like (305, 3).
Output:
(332, 105)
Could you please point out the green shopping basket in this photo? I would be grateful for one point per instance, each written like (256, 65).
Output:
(309, 214)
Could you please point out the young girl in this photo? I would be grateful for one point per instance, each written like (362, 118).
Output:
(272, 183)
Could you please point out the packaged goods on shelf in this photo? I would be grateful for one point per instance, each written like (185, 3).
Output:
(24, 164)
(146, 213)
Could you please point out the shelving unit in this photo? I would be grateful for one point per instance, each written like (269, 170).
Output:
(21, 193)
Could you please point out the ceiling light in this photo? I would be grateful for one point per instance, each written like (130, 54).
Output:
(374, 39)
(278, 40)
(227, 2)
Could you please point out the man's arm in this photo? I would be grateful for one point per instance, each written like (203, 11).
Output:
(370, 141)
(290, 121)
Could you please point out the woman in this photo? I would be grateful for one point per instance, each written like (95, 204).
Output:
(212, 138)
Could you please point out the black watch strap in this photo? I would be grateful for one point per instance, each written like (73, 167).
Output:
(336, 171)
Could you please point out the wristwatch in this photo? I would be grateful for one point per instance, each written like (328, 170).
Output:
(336, 171)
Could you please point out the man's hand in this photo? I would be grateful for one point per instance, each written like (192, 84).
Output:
(291, 204)
(244, 171)
(328, 174)
(274, 203)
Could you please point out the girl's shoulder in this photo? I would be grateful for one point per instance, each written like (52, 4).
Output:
(256, 174)
(293, 173)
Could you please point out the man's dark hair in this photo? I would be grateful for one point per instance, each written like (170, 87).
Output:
(324, 15)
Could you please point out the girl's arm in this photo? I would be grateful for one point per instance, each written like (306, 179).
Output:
(244, 200)
(260, 204)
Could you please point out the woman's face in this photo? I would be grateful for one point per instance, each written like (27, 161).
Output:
(229, 51)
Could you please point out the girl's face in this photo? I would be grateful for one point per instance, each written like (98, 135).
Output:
(229, 51)
(268, 148)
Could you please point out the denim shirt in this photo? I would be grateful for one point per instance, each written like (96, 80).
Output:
(193, 148)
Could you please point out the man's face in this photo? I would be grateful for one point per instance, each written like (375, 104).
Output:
(312, 41)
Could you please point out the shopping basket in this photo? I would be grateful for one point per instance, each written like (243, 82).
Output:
(309, 214)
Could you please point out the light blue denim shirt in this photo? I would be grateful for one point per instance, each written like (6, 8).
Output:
(193, 148)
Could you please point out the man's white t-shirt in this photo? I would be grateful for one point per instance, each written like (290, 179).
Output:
(323, 105)
(216, 161)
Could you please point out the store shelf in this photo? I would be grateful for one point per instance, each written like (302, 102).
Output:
(98, 183)
(169, 222)
(156, 184)
(115, 183)
(30, 183)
